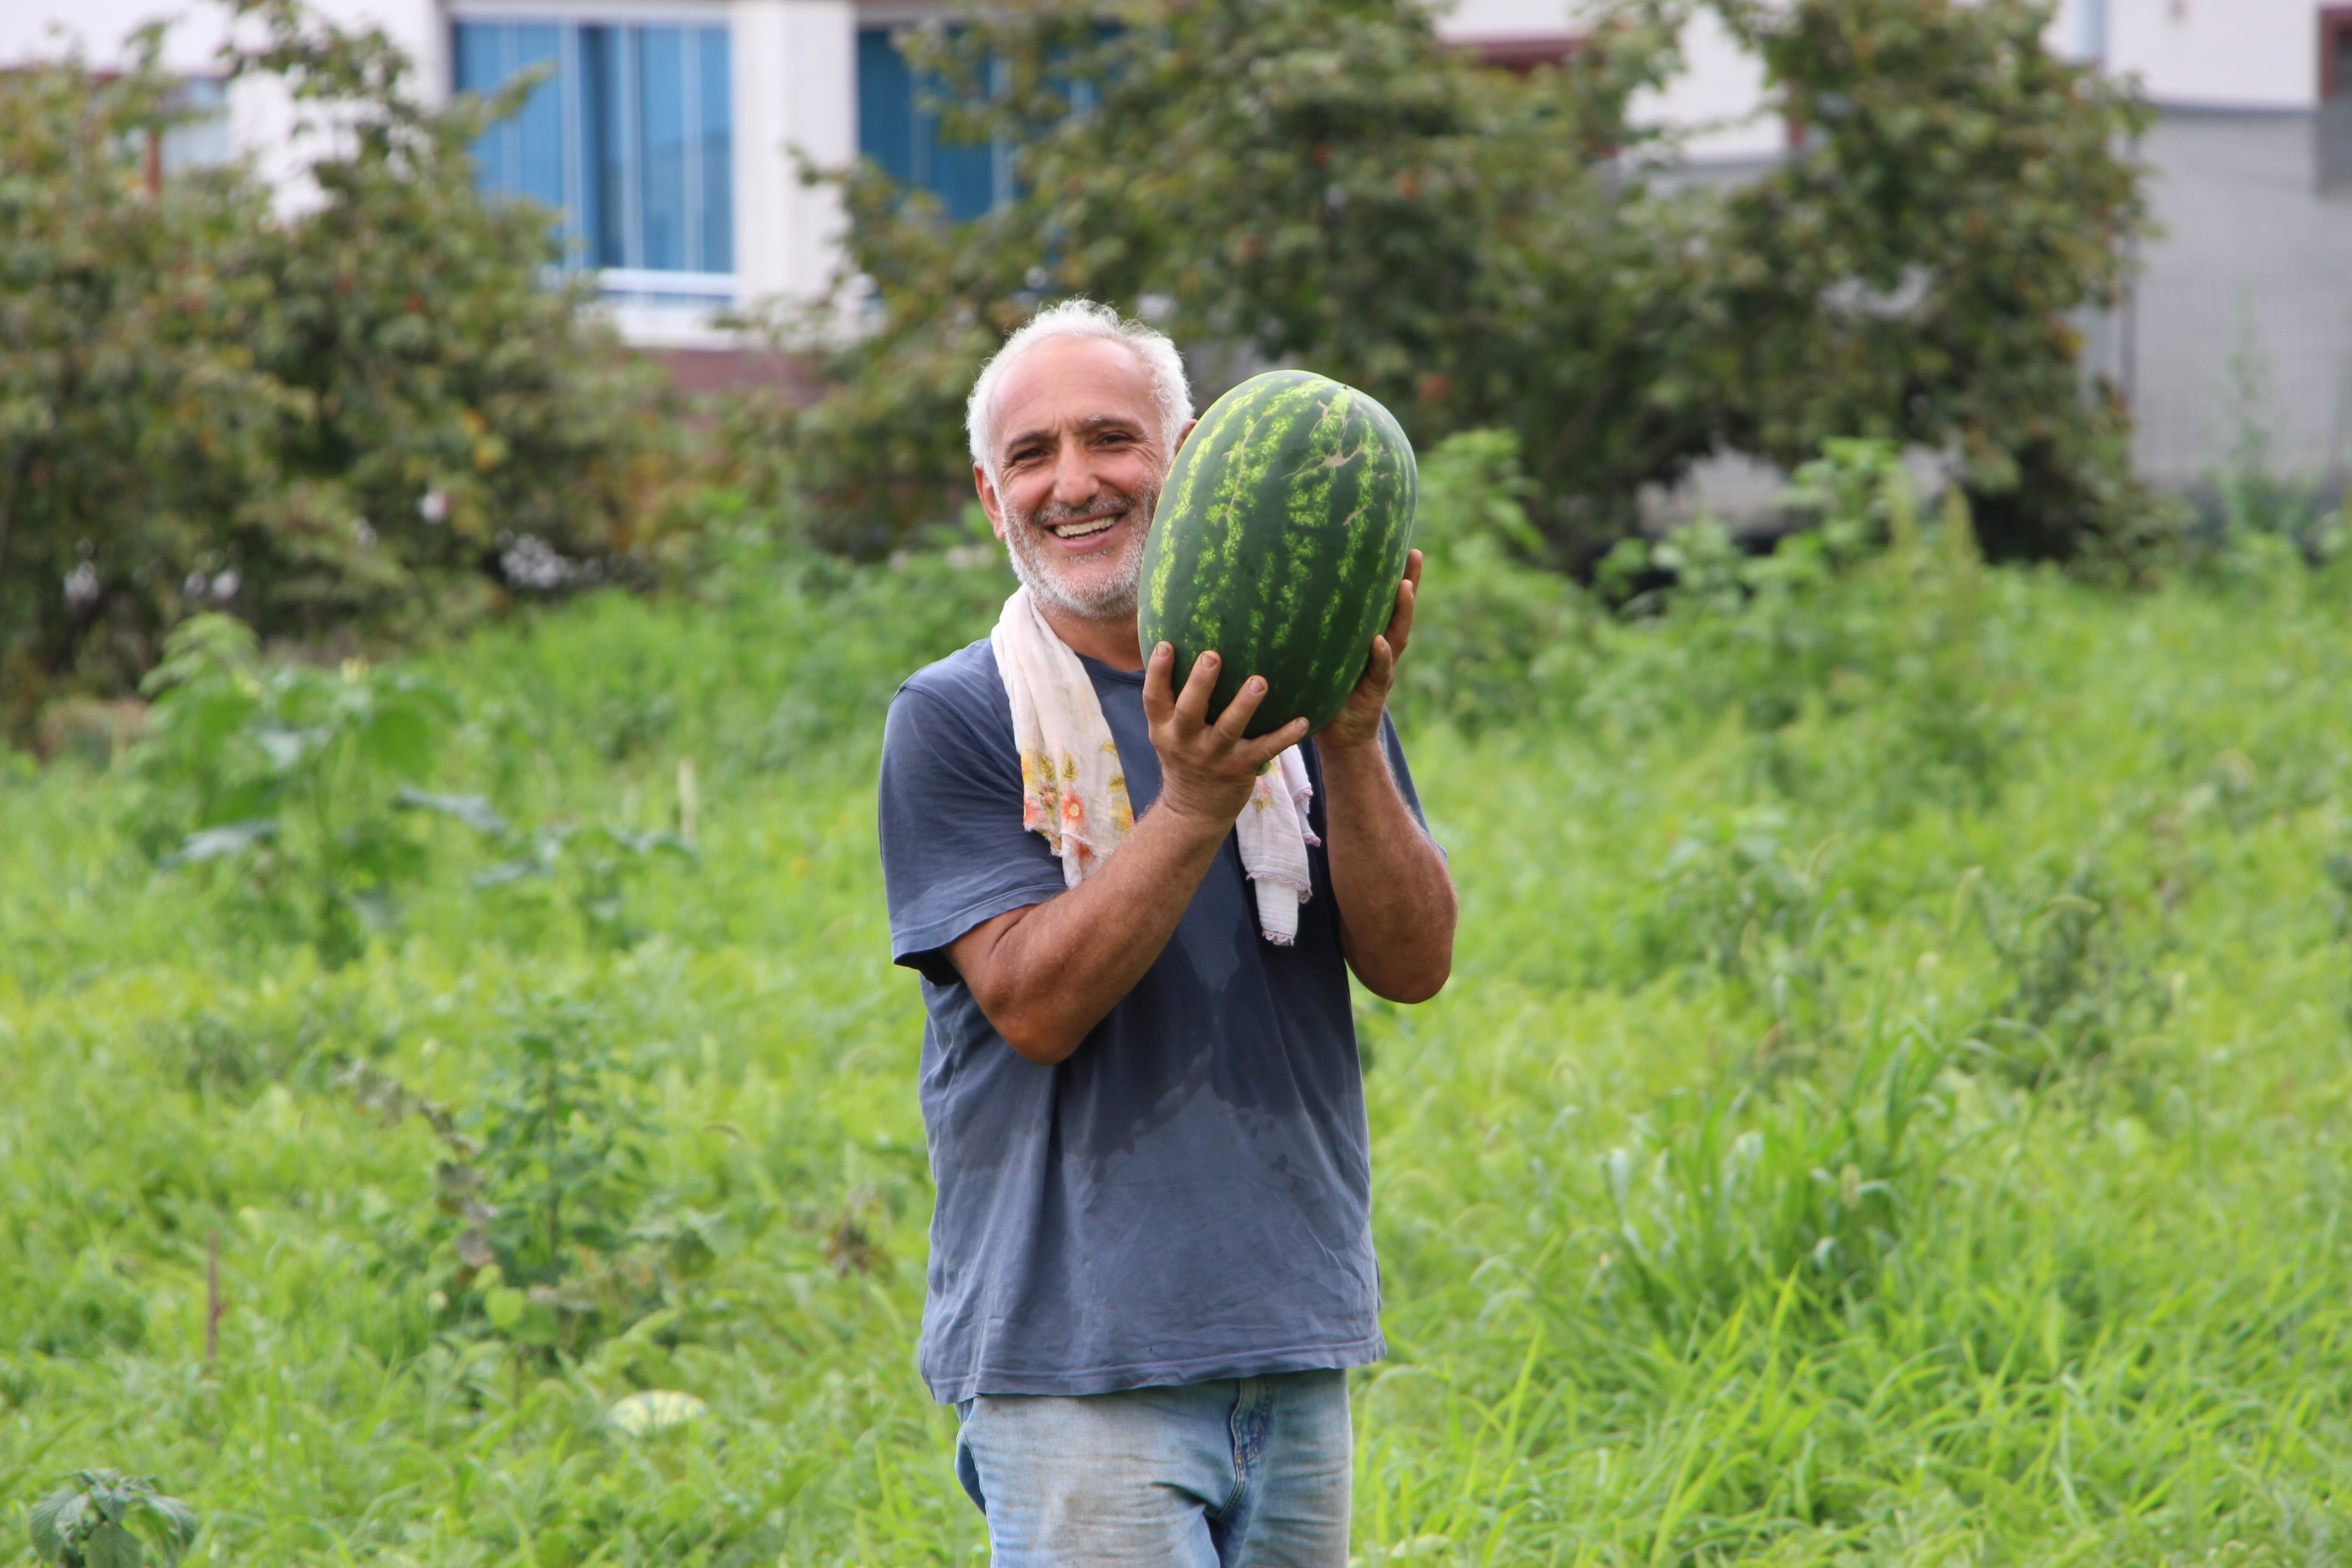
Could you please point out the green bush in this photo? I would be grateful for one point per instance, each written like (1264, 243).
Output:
(372, 414)
(1322, 183)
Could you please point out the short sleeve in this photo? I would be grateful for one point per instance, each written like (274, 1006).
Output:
(954, 853)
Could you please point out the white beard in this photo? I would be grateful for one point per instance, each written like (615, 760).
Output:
(1113, 598)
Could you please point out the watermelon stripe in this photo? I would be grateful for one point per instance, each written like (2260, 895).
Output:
(1278, 540)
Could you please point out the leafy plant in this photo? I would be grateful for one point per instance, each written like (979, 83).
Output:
(547, 1234)
(2077, 994)
(104, 1519)
(291, 773)
(1737, 897)
(473, 423)
(1504, 629)
(1908, 272)
(595, 867)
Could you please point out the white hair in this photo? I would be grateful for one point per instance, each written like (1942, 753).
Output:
(1171, 396)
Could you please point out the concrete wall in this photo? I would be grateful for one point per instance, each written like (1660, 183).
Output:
(2243, 308)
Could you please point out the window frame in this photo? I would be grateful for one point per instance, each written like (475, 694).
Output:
(581, 220)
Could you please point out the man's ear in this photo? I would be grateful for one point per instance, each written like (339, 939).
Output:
(1184, 435)
(989, 503)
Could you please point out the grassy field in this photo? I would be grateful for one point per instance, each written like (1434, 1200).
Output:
(1890, 1106)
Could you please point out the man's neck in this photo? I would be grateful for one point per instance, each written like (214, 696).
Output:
(1112, 640)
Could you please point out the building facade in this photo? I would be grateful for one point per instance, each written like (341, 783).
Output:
(666, 132)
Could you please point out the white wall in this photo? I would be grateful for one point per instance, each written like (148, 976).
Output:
(1719, 97)
(796, 85)
(1468, 21)
(2218, 54)
(44, 29)
(261, 117)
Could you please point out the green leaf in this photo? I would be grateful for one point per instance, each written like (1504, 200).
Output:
(109, 1545)
(535, 1325)
(48, 1522)
(215, 843)
(472, 810)
(179, 1524)
(400, 736)
(286, 746)
(504, 1307)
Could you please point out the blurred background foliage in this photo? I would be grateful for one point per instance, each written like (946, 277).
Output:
(1320, 183)
(375, 408)
(336, 421)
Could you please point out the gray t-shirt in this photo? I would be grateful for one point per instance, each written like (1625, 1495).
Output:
(1187, 1196)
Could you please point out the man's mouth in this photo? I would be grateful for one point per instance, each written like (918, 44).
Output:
(1082, 528)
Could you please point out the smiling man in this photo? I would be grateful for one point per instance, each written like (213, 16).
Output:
(1152, 1256)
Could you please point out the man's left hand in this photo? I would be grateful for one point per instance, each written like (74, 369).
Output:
(1359, 722)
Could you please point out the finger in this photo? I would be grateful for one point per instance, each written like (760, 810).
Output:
(1265, 748)
(1193, 702)
(1379, 670)
(1400, 622)
(1413, 569)
(1236, 719)
(1158, 696)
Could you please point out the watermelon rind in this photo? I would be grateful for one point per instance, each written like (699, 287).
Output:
(1280, 539)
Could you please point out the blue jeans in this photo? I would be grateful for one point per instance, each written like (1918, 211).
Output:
(1240, 1473)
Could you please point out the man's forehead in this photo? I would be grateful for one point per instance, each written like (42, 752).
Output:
(1074, 383)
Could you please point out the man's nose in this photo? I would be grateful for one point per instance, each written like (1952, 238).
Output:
(1073, 476)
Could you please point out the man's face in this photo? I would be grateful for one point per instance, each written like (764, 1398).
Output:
(1080, 460)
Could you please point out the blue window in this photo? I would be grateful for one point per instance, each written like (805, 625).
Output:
(630, 137)
(897, 130)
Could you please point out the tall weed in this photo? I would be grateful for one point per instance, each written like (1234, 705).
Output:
(1732, 1199)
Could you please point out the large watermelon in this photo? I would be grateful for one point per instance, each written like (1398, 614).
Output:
(1279, 539)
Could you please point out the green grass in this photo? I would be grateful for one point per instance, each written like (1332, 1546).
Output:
(1891, 1107)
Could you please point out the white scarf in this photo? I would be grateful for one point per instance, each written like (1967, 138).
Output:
(1074, 791)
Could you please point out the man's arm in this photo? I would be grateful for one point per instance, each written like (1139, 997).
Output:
(1396, 896)
(1047, 973)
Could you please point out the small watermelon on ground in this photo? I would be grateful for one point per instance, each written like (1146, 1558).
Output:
(1279, 539)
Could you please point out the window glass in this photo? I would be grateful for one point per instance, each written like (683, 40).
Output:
(897, 130)
(661, 128)
(629, 138)
(902, 136)
(715, 97)
(200, 140)
(537, 129)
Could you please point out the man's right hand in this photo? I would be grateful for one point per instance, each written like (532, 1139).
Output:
(1047, 973)
(1206, 771)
